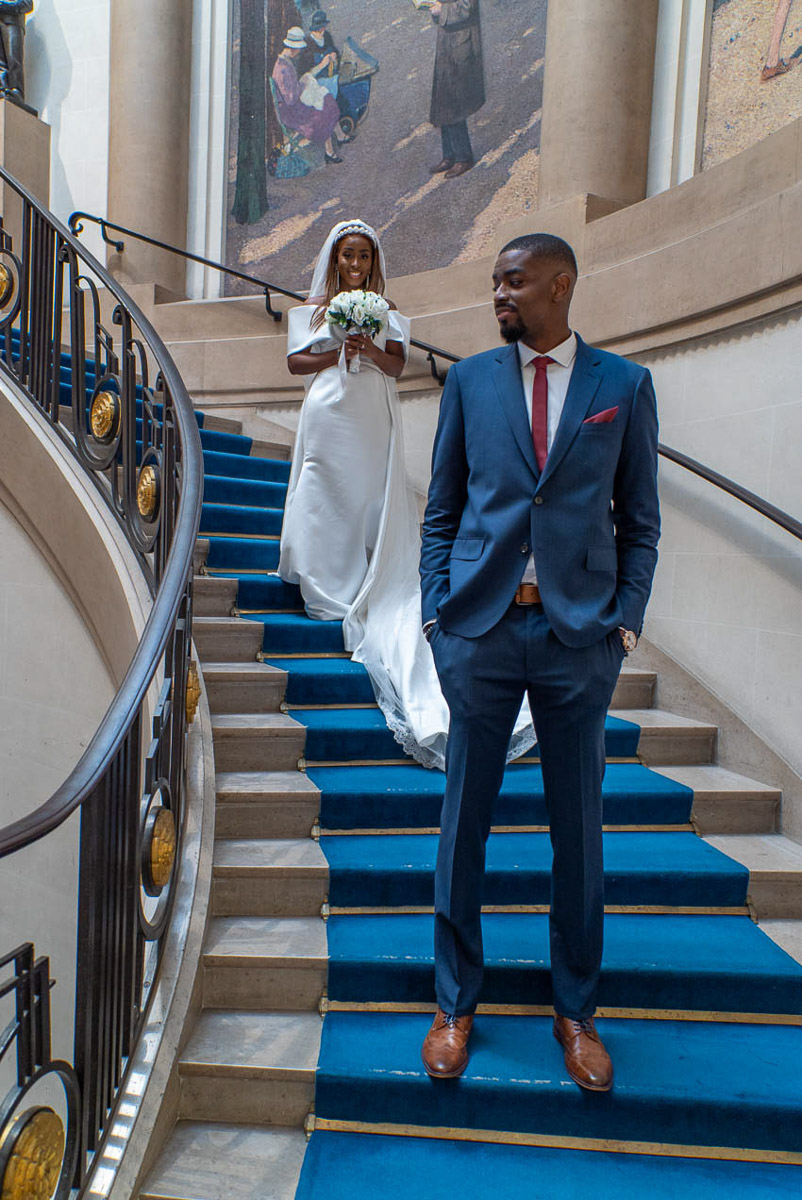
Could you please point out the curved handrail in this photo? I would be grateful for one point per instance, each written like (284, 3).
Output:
(111, 731)
(764, 507)
(76, 226)
(770, 511)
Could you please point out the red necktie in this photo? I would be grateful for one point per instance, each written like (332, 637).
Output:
(540, 409)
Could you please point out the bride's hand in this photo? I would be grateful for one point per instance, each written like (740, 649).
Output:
(359, 343)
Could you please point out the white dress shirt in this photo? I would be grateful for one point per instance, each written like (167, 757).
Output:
(558, 374)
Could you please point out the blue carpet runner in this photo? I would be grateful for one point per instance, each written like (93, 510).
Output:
(691, 1095)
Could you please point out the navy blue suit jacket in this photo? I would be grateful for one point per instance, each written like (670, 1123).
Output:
(592, 517)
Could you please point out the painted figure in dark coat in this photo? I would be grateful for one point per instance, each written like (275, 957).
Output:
(12, 41)
(458, 87)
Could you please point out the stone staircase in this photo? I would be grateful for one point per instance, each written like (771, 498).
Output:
(247, 1071)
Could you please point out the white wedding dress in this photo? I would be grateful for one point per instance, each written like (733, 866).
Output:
(350, 537)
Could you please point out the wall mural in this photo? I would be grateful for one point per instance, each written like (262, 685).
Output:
(421, 117)
(755, 82)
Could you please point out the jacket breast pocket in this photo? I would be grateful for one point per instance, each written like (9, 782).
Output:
(467, 547)
(601, 558)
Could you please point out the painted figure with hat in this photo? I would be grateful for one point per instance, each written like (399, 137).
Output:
(321, 57)
(302, 108)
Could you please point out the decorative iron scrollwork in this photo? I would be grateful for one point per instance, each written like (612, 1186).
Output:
(32, 1155)
(159, 844)
(148, 491)
(38, 1155)
(88, 374)
(193, 690)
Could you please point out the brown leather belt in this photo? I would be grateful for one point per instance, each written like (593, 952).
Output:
(527, 593)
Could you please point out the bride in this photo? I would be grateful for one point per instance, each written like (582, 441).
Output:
(350, 536)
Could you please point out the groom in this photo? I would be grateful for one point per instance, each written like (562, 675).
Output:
(539, 547)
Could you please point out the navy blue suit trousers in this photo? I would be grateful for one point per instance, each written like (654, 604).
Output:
(484, 680)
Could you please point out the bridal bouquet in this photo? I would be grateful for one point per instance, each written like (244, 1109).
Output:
(358, 312)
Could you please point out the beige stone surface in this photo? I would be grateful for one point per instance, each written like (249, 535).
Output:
(260, 1163)
(149, 103)
(25, 154)
(774, 863)
(254, 1045)
(787, 934)
(597, 99)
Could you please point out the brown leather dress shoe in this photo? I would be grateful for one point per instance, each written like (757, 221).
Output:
(445, 164)
(586, 1059)
(445, 1050)
(460, 168)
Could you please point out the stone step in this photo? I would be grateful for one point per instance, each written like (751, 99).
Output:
(213, 596)
(244, 687)
(264, 962)
(257, 741)
(285, 877)
(787, 934)
(201, 553)
(266, 804)
(280, 450)
(725, 802)
(256, 1067)
(635, 689)
(204, 1160)
(221, 424)
(226, 639)
(668, 740)
(774, 863)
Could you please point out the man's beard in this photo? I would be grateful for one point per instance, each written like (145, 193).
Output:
(512, 331)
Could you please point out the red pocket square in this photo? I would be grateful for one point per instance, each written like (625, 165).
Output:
(601, 418)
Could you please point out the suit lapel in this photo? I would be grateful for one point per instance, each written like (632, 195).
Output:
(585, 379)
(509, 385)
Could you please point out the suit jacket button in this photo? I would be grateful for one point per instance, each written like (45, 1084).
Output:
(538, 499)
(525, 548)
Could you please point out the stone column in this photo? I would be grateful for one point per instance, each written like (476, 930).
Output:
(597, 99)
(149, 105)
(25, 154)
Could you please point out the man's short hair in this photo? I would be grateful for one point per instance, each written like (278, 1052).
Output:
(545, 245)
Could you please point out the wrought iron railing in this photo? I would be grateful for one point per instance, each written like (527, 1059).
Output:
(433, 353)
(138, 443)
(76, 225)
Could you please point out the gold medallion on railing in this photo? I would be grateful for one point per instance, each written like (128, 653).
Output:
(6, 285)
(158, 850)
(104, 416)
(148, 491)
(193, 690)
(31, 1154)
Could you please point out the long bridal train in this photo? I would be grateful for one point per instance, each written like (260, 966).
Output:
(350, 538)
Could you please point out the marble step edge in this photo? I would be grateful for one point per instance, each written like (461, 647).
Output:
(282, 877)
(213, 595)
(726, 802)
(253, 1045)
(252, 1067)
(244, 687)
(667, 739)
(226, 639)
(277, 804)
(272, 804)
(774, 863)
(259, 1161)
(200, 554)
(215, 424)
(265, 963)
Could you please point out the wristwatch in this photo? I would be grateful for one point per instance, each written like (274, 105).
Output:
(629, 639)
